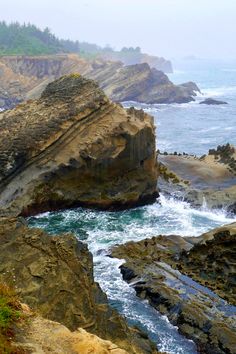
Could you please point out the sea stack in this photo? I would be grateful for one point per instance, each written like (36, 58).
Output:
(73, 146)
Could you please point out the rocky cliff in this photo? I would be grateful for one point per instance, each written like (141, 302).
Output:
(75, 147)
(187, 279)
(54, 275)
(158, 63)
(26, 77)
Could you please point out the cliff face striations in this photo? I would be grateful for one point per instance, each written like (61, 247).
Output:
(75, 147)
(26, 77)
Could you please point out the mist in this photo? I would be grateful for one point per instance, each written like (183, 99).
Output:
(169, 28)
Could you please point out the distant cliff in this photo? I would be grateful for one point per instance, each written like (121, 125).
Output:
(131, 56)
(26, 77)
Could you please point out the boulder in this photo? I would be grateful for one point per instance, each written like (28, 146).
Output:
(72, 147)
(211, 101)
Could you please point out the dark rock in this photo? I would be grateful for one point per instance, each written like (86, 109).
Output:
(163, 270)
(211, 101)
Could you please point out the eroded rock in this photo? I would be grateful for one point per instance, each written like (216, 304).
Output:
(74, 146)
(208, 180)
(54, 275)
(162, 269)
(140, 82)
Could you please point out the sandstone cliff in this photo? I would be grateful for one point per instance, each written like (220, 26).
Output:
(54, 275)
(26, 77)
(75, 147)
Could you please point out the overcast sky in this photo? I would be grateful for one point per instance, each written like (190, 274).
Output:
(170, 28)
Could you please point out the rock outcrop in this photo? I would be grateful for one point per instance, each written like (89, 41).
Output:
(34, 334)
(54, 275)
(175, 274)
(158, 63)
(26, 77)
(211, 101)
(72, 147)
(48, 337)
(144, 84)
(210, 179)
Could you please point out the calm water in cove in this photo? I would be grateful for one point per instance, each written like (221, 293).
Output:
(191, 128)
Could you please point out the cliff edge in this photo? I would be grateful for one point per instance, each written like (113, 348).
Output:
(73, 146)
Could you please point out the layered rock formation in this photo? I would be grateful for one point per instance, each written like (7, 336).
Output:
(162, 269)
(158, 63)
(75, 147)
(26, 77)
(210, 179)
(54, 275)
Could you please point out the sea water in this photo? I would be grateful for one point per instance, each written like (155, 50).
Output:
(190, 128)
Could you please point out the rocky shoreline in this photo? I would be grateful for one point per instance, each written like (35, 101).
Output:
(208, 180)
(24, 78)
(175, 274)
(73, 146)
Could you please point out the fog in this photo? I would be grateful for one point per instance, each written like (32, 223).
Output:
(171, 28)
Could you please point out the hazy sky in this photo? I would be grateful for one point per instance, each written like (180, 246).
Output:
(171, 28)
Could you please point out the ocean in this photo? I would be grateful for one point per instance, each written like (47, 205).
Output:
(189, 128)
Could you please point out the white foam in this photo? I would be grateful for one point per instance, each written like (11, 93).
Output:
(218, 91)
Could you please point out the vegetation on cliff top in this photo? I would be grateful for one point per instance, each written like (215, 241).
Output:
(27, 39)
(16, 39)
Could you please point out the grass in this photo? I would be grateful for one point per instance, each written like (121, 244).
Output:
(10, 313)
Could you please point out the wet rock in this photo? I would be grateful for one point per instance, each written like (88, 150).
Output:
(73, 146)
(54, 275)
(175, 274)
(211, 101)
(209, 180)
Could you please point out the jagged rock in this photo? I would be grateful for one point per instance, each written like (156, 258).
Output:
(211, 101)
(137, 82)
(54, 275)
(75, 147)
(211, 261)
(142, 84)
(192, 87)
(162, 269)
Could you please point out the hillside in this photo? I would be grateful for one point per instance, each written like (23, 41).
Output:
(16, 39)
(27, 39)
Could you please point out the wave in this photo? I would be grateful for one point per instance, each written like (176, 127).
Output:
(218, 91)
(105, 229)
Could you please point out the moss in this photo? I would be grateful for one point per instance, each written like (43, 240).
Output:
(10, 313)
